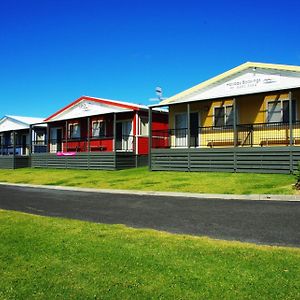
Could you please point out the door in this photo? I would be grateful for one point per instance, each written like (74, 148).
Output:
(124, 138)
(194, 127)
(55, 140)
(24, 145)
(119, 136)
(127, 141)
(181, 130)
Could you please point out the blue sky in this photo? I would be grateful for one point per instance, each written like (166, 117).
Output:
(52, 52)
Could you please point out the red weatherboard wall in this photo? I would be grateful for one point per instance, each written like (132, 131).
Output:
(159, 122)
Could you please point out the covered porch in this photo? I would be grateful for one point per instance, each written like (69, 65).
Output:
(106, 141)
(252, 133)
(16, 146)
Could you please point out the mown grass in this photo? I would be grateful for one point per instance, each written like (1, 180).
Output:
(53, 258)
(142, 179)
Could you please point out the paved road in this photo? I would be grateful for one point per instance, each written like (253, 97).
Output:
(262, 222)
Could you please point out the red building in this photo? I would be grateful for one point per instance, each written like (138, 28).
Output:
(99, 133)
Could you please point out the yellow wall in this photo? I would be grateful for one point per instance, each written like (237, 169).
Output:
(251, 109)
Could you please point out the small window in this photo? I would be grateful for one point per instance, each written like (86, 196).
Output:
(223, 116)
(98, 129)
(74, 131)
(144, 125)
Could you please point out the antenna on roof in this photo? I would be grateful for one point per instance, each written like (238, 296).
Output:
(159, 93)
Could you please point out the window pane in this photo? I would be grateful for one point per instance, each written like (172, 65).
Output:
(274, 112)
(181, 121)
(219, 116)
(75, 131)
(11, 141)
(102, 129)
(286, 111)
(229, 115)
(95, 129)
(144, 126)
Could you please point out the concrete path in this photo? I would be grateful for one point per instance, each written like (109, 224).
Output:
(263, 222)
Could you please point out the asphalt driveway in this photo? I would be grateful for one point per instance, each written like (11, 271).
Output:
(261, 222)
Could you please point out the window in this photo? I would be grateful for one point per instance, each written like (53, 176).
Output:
(39, 136)
(181, 130)
(98, 129)
(144, 126)
(223, 116)
(11, 139)
(74, 131)
(181, 121)
(278, 111)
(1, 139)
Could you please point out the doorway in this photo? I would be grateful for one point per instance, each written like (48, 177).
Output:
(24, 144)
(181, 130)
(56, 140)
(124, 138)
(194, 128)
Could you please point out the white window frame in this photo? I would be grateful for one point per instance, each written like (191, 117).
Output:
(281, 109)
(225, 114)
(70, 134)
(98, 122)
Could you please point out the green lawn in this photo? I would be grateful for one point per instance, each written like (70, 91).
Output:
(142, 179)
(53, 258)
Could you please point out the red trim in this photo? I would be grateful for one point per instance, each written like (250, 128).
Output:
(109, 102)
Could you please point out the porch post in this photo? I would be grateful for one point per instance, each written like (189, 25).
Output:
(235, 137)
(115, 132)
(48, 138)
(188, 125)
(291, 130)
(189, 134)
(88, 135)
(150, 138)
(30, 140)
(14, 149)
(234, 123)
(66, 137)
(115, 139)
(291, 118)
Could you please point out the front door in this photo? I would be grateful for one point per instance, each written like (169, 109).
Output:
(181, 130)
(55, 140)
(124, 138)
(25, 143)
(194, 126)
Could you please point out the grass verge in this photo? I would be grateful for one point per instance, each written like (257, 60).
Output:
(142, 179)
(53, 258)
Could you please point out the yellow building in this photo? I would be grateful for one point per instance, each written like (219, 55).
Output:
(254, 107)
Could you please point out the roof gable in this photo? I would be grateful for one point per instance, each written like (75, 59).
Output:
(89, 106)
(245, 79)
(9, 123)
